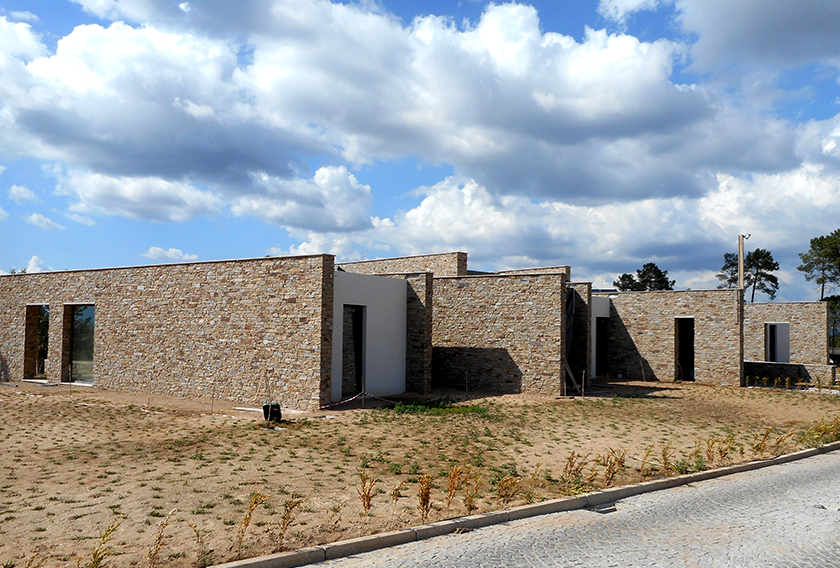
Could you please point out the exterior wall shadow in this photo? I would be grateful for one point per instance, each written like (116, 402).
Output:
(475, 369)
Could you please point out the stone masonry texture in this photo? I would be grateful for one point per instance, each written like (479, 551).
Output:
(543, 270)
(246, 330)
(808, 330)
(499, 333)
(642, 335)
(444, 264)
(418, 333)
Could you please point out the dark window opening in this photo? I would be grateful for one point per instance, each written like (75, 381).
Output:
(353, 351)
(602, 326)
(684, 339)
(36, 342)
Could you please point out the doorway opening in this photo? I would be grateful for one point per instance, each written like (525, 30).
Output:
(353, 351)
(36, 341)
(777, 342)
(77, 352)
(602, 326)
(684, 348)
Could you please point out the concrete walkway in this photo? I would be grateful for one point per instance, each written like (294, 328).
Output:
(785, 515)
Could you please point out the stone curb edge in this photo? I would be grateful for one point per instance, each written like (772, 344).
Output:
(313, 554)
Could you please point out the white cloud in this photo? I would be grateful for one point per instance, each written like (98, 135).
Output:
(151, 199)
(687, 237)
(618, 10)
(35, 265)
(783, 32)
(3, 214)
(80, 219)
(21, 194)
(173, 254)
(25, 16)
(18, 40)
(521, 110)
(44, 223)
(332, 200)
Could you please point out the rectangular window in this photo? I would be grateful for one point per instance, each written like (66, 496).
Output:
(353, 351)
(777, 342)
(78, 344)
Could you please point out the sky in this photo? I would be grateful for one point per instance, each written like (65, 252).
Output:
(601, 134)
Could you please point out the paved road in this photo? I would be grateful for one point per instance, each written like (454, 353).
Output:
(781, 516)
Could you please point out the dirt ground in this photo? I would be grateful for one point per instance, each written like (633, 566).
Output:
(75, 463)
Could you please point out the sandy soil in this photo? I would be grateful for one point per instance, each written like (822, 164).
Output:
(76, 462)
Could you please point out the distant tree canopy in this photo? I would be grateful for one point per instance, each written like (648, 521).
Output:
(822, 261)
(758, 272)
(648, 277)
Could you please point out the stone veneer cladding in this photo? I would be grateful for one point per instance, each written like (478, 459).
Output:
(808, 330)
(443, 264)
(418, 333)
(642, 333)
(192, 329)
(544, 270)
(499, 333)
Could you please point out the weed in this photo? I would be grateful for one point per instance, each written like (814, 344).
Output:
(203, 557)
(507, 489)
(759, 446)
(424, 496)
(396, 492)
(644, 468)
(455, 482)
(666, 452)
(614, 463)
(471, 494)
(365, 491)
(289, 506)
(257, 499)
(572, 477)
(780, 441)
(154, 551)
(101, 551)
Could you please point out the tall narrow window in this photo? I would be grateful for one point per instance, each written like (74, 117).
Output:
(36, 342)
(79, 326)
(684, 348)
(353, 352)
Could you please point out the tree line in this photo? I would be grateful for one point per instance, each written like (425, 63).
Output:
(820, 263)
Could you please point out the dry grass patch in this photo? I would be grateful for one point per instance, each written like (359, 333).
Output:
(73, 466)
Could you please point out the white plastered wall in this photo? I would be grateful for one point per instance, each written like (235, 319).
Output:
(600, 309)
(385, 301)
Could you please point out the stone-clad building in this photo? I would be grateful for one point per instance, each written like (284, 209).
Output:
(308, 332)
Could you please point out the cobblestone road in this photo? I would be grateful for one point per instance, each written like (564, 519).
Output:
(781, 516)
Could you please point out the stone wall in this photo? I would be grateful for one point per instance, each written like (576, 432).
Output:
(499, 333)
(642, 343)
(543, 270)
(230, 327)
(808, 330)
(418, 333)
(443, 264)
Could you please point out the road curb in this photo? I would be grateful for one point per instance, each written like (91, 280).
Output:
(340, 549)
